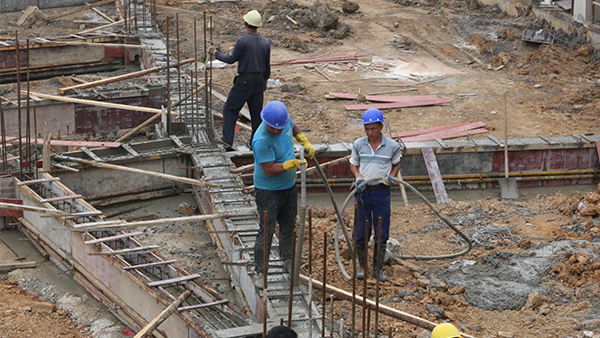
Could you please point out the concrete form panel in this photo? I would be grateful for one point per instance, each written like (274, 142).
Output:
(8, 6)
(463, 163)
(7, 187)
(58, 119)
(95, 181)
(548, 159)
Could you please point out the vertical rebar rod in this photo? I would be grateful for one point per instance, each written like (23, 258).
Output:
(390, 333)
(35, 132)
(324, 283)
(331, 307)
(17, 46)
(291, 300)
(265, 270)
(353, 325)
(368, 328)
(207, 112)
(28, 120)
(342, 328)
(377, 280)
(168, 125)
(126, 15)
(144, 16)
(310, 319)
(3, 131)
(211, 128)
(178, 60)
(364, 293)
(196, 111)
(135, 17)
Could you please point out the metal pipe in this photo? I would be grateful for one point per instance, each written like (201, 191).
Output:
(324, 283)
(298, 259)
(291, 299)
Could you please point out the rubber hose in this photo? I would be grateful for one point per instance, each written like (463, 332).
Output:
(435, 211)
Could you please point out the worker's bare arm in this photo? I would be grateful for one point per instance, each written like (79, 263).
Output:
(272, 169)
(355, 171)
(395, 170)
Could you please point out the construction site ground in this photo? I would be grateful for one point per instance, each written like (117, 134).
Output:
(550, 90)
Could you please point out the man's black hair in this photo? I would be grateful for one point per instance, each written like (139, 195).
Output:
(281, 331)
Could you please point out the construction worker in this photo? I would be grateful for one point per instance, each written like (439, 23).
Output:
(281, 331)
(253, 55)
(374, 155)
(445, 330)
(275, 167)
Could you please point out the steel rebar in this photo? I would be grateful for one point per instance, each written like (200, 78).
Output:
(207, 112)
(310, 319)
(291, 300)
(211, 126)
(196, 111)
(168, 125)
(178, 60)
(265, 270)
(3, 131)
(379, 267)
(28, 119)
(364, 295)
(17, 48)
(353, 324)
(324, 283)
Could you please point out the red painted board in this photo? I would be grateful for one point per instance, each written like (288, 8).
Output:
(467, 126)
(408, 103)
(434, 175)
(444, 134)
(10, 212)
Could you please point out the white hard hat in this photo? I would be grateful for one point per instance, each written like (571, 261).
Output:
(253, 18)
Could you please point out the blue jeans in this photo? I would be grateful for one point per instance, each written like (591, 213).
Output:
(247, 87)
(282, 208)
(373, 203)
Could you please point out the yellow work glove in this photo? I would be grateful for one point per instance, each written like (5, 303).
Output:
(301, 138)
(292, 164)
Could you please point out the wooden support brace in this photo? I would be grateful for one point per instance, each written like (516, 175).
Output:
(148, 329)
(128, 225)
(60, 198)
(177, 141)
(113, 238)
(199, 306)
(130, 150)
(42, 180)
(149, 264)
(174, 280)
(17, 265)
(138, 250)
(77, 10)
(91, 154)
(94, 103)
(32, 209)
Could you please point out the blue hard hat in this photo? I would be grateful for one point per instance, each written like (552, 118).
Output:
(275, 115)
(372, 115)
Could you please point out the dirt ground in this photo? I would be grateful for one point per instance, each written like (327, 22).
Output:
(551, 90)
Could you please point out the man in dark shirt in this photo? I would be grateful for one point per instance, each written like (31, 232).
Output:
(253, 55)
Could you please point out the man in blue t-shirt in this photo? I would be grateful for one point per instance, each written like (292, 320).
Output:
(275, 167)
(253, 55)
(374, 155)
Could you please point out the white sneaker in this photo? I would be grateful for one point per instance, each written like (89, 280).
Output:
(259, 280)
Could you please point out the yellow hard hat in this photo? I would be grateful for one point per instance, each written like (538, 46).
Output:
(445, 330)
(253, 18)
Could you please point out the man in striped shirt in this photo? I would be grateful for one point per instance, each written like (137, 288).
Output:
(374, 155)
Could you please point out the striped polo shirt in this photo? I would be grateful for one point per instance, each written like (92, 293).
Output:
(375, 163)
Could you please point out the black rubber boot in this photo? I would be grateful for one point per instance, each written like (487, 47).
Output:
(360, 257)
(378, 262)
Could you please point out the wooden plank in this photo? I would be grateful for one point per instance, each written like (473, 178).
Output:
(405, 104)
(444, 135)
(32, 209)
(89, 153)
(114, 79)
(94, 103)
(174, 280)
(60, 198)
(350, 56)
(103, 26)
(138, 250)
(17, 265)
(138, 171)
(72, 143)
(130, 150)
(149, 264)
(126, 225)
(41, 180)
(377, 98)
(205, 305)
(245, 112)
(77, 10)
(148, 329)
(177, 141)
(434, 175)
(467, 126)
(60, 166)
(113, 238)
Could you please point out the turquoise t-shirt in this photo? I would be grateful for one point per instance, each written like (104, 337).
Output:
(268, 147)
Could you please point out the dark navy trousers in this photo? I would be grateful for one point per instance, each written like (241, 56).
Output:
(282, 208)
(247, 87)
(373, 202)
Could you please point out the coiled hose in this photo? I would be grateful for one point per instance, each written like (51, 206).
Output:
(347, 236)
